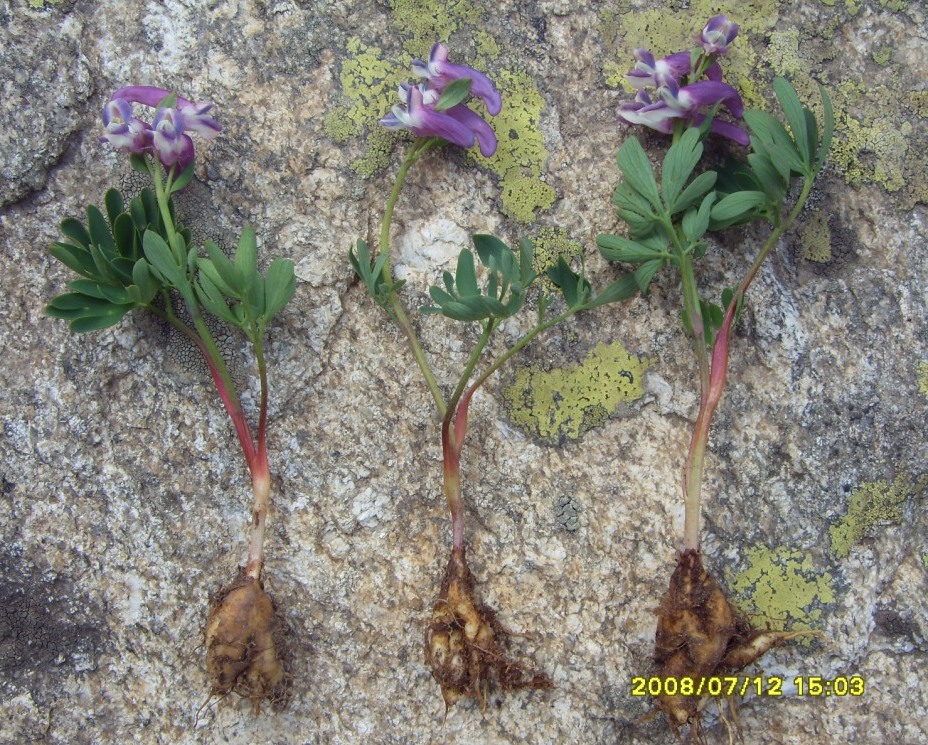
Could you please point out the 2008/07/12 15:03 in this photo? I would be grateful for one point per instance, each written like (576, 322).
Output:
(806, 685)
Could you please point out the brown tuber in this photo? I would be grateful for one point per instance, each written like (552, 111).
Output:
(244, 642)
(462, 644)
(700, 635)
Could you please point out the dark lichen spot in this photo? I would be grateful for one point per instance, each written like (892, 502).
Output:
(44, 623)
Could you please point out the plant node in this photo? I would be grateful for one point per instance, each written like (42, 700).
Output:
(463, 643)
(244, 645)
(701, 635)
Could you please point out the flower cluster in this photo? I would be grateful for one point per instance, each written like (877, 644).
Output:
(681, 93)
(167, 136)
(421, 113)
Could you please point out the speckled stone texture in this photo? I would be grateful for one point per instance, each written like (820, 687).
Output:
(123, 501)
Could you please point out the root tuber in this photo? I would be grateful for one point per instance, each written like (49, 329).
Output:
(462, 644)
(244, 644)
(700, 635)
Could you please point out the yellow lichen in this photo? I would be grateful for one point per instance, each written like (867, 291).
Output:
(783, 586)
(521, 155)
(424, 22)
(550, 245)
(815, 237)
(872, 504)
(568, 401)
(923, 378)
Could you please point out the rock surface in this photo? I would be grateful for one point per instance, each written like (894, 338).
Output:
(123, 500)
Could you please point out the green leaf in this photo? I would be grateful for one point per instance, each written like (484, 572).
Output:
(466, 274)
(636, 168)
(162, 260)
(75, 230)
(114, 205)
(231, 281)
(76, 258)
(694, 192)
(829, 128)
(768, 177)
(453, 94)
(246, 256)
(104, 269)
(679, 163)
(213, 299)
(796, 116)
(634, 209)
(145, 282)
(497, 256)
(769, 134)
(126, 237)
(617, 248)
(280, 286)
(116, 295)
(696, 222)
(574, 287)
(738, 204)
(139, 163)
(184, 178)
(110, 317)
(75, 304)
(526, 262)
(624, 288)
(645, 273)
(87, 287)
(100, 234)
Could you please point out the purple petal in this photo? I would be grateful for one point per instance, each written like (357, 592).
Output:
(486, 137)
(196, 119)
(718, 33)
(146, 95)
(657, 116)
(426, 122)
(731, 131)
(708, 93)
(480, 85)
(714, 72)
(724, 129)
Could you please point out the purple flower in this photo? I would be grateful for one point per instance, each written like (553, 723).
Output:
(172, 146)
(458, 125)
(167, 136)
(195, 114)
(688, 103)
(440, 73)
(718, 34)
(123, 130)
(649, 72)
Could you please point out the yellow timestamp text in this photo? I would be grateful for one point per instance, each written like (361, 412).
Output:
(742, 685)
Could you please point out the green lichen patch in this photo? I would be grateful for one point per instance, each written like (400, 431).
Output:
(871, 505)
(815, 237)
(783, 586)
(520, 159)
(552, 244)
(369, 83)
(566, 402)
(423, 22)
(922, 374)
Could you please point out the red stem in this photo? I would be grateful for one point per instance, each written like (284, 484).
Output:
(453, 432)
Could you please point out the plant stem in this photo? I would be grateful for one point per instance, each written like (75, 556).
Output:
(711, 390)
(419, 148)
(260, 476)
